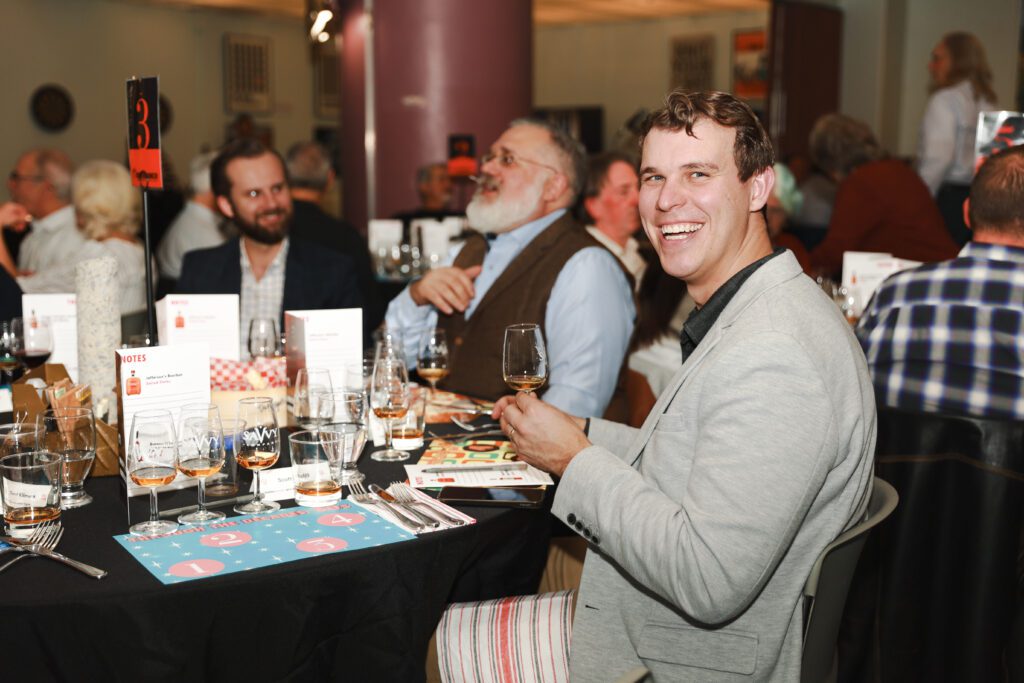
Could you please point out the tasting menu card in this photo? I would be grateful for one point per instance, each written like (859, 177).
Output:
(864, 271)
(238, 544)
(62, 312)
(330, 338)
(160, 377)
(208, 318)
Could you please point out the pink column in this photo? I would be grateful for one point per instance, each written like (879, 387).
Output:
(438, 67)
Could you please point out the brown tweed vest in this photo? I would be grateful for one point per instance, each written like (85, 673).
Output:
(519, 295)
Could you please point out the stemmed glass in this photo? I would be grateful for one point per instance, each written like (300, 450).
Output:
(524, 359)
(71, 433)
(309, 381)
(19, 437)
(200, 454)
(432, 362)
(257, 446)
(262, 337)
(152, 453)
(389, 345)
(344, 412)
(389, 398)
(36, 341)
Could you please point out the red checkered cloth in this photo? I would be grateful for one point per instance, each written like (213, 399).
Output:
(260, 373)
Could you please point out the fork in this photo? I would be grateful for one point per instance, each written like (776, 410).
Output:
(39, 534)
(44, 537)
(403, 494)
(473, 428)
(358, 493)
(43, 549)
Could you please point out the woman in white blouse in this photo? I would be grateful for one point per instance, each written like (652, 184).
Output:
(961, 88)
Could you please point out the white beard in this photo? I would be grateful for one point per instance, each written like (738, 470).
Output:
(504, 212)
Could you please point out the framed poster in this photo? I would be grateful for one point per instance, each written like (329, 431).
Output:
(693, 63)
(246, 74)
(750, 64)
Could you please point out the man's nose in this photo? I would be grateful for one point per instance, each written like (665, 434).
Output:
(671, 196)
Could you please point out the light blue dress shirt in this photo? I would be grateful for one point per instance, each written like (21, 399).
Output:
(588, 323)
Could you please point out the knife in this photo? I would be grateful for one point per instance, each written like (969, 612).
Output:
(388, 498)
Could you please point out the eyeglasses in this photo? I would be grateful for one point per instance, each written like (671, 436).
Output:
(508, 160)
(16, 177)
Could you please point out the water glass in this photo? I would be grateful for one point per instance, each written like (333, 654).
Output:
(407, 432)
(313, 455)
(344, 413)
(71, 433)
(30, 488)
(308, 383)
(263, 337)
(224, 483)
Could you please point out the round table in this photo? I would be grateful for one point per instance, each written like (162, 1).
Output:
(357, 615)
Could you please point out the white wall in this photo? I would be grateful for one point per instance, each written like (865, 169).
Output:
(91, 46)
(624, 66)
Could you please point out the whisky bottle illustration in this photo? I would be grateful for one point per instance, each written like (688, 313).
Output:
(179, 320)
(133, 385)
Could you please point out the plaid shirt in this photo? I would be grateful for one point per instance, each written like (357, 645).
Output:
(261, 298)
(948, 337)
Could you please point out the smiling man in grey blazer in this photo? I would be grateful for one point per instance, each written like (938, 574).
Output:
(704, 523)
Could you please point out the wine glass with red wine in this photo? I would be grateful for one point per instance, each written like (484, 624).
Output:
(35, 341)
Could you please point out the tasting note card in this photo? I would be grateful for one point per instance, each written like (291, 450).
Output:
(62, 313)
(208, 318)
(159, 378)
(330, 338)
(864, 271)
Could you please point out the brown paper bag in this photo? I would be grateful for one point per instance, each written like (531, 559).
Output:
(27, 402)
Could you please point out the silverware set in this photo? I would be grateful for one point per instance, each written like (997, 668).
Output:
(399, 499)
(41, 544)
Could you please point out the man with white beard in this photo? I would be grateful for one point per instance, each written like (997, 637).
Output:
(532, 264)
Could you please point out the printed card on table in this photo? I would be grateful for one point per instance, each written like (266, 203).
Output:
(160, 377)
(208, 318)
(252, 541)
(329, 338)
(62, 313)
(864, 271)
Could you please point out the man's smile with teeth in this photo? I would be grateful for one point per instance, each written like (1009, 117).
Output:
(679, 229)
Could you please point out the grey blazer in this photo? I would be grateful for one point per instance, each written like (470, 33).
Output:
(703, 524)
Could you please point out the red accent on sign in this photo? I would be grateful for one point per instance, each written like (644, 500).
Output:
(146, 169)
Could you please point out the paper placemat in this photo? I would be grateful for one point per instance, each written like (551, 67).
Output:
(464, 449)
(239, 544)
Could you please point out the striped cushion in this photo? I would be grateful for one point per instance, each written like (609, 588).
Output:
(521, 638)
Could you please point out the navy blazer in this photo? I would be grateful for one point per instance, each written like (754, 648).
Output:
(314, 277)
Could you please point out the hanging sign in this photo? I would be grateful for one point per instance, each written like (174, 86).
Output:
(144, 132)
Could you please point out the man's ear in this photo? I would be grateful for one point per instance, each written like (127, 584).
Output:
(555, 187)
(590, 203)
(761, 185)
(967, 213)
(225, 206)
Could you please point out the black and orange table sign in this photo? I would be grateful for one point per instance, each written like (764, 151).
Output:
(144, 132)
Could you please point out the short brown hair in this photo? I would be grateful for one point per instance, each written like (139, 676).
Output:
(244, 148)
(752, 150)
(997, 193)
(597, 174)
(840, 144)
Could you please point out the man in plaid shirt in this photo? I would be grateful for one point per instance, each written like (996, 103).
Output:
(948, 337)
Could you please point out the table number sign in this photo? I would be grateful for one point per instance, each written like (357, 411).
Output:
(201, 318)
(159, 377)
(144, 132)
(62, 312)
(252, 541)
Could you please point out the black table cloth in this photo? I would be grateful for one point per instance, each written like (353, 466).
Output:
(363, 615)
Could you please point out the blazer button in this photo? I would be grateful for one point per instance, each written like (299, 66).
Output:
(595, 540)
(579, 526)
(571, 519)
(586, 533)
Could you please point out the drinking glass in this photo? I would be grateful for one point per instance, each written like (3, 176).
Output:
(432, 361)
(30, 488)
(407, 431)
(35, 340)
(389, 398)
(224, 483)
(309, 381)
(344, 412)
(257, 446)
(313, 455)
(200, 454)
(19, 437)
(70, 433)
(389, 344)
(849, 303)
(263, 337)
(10, 366)
(152, 453)
(524, 359)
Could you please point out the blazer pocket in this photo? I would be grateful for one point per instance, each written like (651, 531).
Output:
(719, 650)
(670, 423)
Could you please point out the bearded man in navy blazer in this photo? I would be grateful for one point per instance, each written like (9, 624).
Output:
(270, 272)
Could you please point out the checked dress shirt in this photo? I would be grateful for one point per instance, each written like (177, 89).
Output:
(948, 337)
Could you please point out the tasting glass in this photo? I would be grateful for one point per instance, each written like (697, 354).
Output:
(849, 303)
(263, 337)
(200, 454)
(152, 453)
(524, 358)
(389, 344)
(344, 413)
(30, 488)
(308, 383)
(257, 446)
(313, 456)
(407, 431)
(389, 399)
(35, 342)
(71, 434)
(20, 437)
(432, 360)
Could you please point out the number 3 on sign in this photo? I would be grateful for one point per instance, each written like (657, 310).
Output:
(322, 545)
(142, 139)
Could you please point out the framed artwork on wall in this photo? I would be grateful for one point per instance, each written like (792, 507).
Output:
(750, 64)
(247, 74)
(693, 63)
